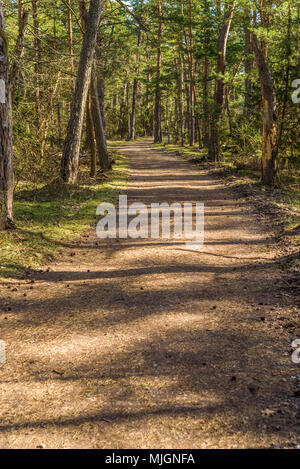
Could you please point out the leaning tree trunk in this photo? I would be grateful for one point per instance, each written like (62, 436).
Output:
(270, 148)
(6, 167)
(70, 159)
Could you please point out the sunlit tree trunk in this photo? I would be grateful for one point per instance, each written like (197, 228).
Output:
(70, 159)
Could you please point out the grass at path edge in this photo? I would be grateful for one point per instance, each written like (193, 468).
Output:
(50, 216)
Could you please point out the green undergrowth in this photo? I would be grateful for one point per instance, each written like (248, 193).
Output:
(50, 216)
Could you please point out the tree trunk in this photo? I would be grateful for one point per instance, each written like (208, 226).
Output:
(220, 85)
(103, 156)
(179, 69)
(248, 66)
(205, 81)
(37, 54)
(70, 159)
(100, 86)
(16, 69)
(135, 86)
(91, 134)
(192, 93)
(157, 108)
(269, 149)
(70, 40)
(128, 109)
(6, 153)
(167, 122)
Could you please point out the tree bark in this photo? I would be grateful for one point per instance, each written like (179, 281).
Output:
(248, 65)
(269, 149)
(135, 85)
(6, 138)
(70, 40)
(37, 53)
(205, 80)
(220, 85)
(70, 159)
(103, 155)
(157, 108)
(91, 134)
(16, 68)
(100, 86)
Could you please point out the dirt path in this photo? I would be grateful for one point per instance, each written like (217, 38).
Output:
(146, 344)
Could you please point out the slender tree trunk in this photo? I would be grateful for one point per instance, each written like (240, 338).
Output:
(100, 86)
(157, 108)
(270, 149)
(149, 116)
(179, 69)
(70, 159)
(135, 85)
(59, 121)
(6, 151)
(287, 81)
(128, 109)
(220, 85)
(122, 112)
(17, 66)
(205, 80)
(167, 121)
(228, 113)
(91, 134)
(37, 53)
(248, 66)
(103, 155)
(133, 112)
(70, 40)
(90, 130)
(192, 93)
(188, 102)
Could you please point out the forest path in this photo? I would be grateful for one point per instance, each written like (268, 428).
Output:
(147, 344)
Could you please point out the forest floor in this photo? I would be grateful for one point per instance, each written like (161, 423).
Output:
(147, 344)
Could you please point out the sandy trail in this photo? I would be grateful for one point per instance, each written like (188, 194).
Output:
(147, 344)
